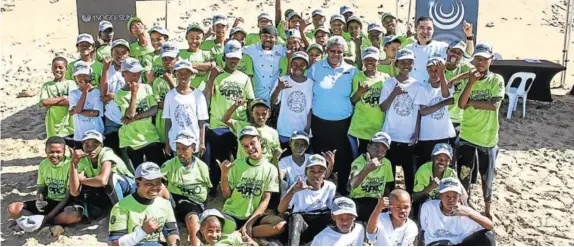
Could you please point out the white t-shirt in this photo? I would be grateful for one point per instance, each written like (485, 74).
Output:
(185, 111)
(314, 200)
(292, 170)
(83, 123)
(295, 105)
(437, 226)
(436, 125)
(115, 83)
(422, 54)
(330, 237)
(386, 235)
(401, 117)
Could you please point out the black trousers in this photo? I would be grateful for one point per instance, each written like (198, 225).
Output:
(303, 227)
(403, 154)
(424, 150)
(153, 152)
(220, 148)
(480, 238)
(365, 207)
(329, 136)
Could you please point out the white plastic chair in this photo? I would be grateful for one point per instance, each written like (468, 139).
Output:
(521, 91)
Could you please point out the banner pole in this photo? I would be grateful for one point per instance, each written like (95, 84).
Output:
(409, 13)
(165, 14)
(566, 44)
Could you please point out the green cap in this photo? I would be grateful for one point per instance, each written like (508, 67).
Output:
(132, 20)
(121, 42)
(194, 27)
(387, 14)
(316, 46)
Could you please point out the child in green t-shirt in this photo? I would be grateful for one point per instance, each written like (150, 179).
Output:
(138, 105)
(217, 229)
(162, 85)
(391, 45)
(246, 64)
(260, 112)
(430, 174)
(367, 118)
(201, 60)
(371, 175)
(188, 183)
(105, 37)
(216, 46)
(52, 197)
(91, 172)
(247, 185)
(152, 61)
(87, 49)
(143, 44)
(54, 96)
(315, 52)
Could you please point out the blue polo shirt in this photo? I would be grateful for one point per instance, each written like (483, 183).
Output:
(332, 90)
(266, 68)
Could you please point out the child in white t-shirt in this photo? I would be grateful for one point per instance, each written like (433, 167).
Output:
(436, 126)
(294, 94)
(400, 99)
(85, 104)
(393, 228)
(310, 201)
(345, 232)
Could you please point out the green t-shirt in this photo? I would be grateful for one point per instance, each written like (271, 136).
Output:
(368, 118)
(246, 65)
(233, 239)
(138, 52)
(249, 180)
(405, 40)
(227, 88)
(97, 69)
(103, 52)
(128, 214)
(140, 133)
(197, 57)
(192, 183)
(269, 140)
(424, 176)
(106, 154)
(56, 178)
(480, 127)
(454, 111)
(215, 51)
(254, 38)
(374, 183)
(58, 120)
(160, 89)
(386, 68)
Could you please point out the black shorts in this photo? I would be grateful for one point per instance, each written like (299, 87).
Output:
(365, 207)
(240, 223)
(30, 206)
(184, 206)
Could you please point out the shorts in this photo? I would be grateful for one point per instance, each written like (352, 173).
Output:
(240, 223)
(184, 206)
(30, 206)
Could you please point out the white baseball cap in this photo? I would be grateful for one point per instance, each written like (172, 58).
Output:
(219, 19)
(159, 29)
(371, 52)
(186, 138)
(184, 64)
(84, 37)
(229, 224)
(104, 25)
(316, 160)
(344, 205)
(382, 137)
(318, 12)
(232, 49)
(405, 54)
(148, 171)
(483, 50)
(300, 54)
(346, 9)
(81, 68)
(169, 49)
(94, 135)
(264, 16)
(131, 64)
(442, 148)
(450, 184)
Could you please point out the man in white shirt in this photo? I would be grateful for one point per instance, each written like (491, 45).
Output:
(401, 97)
(447, 222)
(185, 109)
(345, 232)
(393, 228)
(310, 201)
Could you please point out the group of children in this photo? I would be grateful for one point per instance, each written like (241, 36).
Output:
(149, 132)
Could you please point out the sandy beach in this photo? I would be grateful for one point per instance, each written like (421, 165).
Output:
(534, 183)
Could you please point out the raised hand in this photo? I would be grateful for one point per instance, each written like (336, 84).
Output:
(467, 28)
(225, 165)
(215, 71)
(149, 225)
(372, 164)
(461, 210)
(107, 63)
(77, 155)
(239, 102)
(434, 183)
(237, 21)
(383, 202)
(134, 86)
(167, 149)
(283, 84)
(398, 90)
(363, 87)
(300, 186)
(329, 157)
(279, 152)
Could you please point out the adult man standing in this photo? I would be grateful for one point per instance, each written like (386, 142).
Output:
(426, 47)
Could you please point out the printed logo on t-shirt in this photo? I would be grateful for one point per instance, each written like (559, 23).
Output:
(182, 115)
(88, 106)
(404, 105)
(371, 97)
(56, 187)
(250, 187)
(188, 190)
(142, 106)
(231, 91)
(444, 234)
(372, 185)
(437, 115)
(480, 95)
(297, 101)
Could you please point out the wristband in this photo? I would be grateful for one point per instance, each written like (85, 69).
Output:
(470, 38)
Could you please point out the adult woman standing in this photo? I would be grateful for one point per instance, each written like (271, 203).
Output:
(332, 108)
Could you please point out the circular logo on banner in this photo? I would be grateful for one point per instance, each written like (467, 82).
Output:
(446, 21)
(86, 18)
